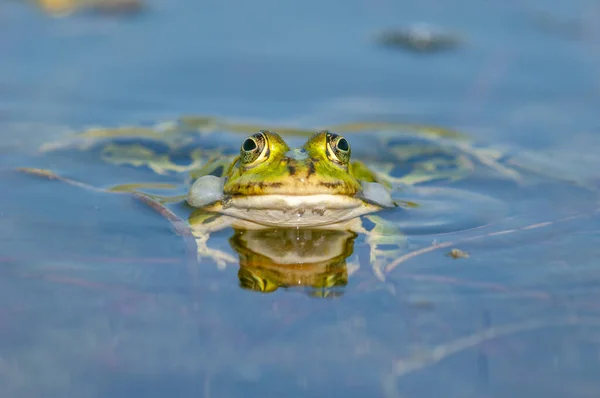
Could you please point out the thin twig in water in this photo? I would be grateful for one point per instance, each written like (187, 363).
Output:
(83, 283)
(497, 287)
(435, 246)
(403, 367)
(53, 176)
(178, 224)
(207, 380)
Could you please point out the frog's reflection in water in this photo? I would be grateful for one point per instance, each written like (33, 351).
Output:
(311, 259)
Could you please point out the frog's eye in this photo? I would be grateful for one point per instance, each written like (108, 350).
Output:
(254, 149)
(338, 149)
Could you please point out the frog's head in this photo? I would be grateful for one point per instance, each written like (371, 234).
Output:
(271, 184)
(267, 166)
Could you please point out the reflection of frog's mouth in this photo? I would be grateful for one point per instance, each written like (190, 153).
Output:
(321, 286)
(274, 258)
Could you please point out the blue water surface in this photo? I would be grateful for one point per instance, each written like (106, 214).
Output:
(99, 297)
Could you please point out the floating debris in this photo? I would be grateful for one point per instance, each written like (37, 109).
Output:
(421, 38)
(62, 8)
(457, 253)
(422, 304)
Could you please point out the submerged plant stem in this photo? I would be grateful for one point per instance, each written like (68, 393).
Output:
(435, 246)
(50, 175)
(403, 367)
(181, 227)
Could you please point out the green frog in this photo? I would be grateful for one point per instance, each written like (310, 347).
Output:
(189, 167)
(272, 185)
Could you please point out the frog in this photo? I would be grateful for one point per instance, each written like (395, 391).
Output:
(63, 8)
(270, 185)
(189, 170)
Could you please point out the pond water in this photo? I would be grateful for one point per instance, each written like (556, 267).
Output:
(101, 296)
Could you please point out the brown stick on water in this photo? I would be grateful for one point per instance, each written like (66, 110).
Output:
(50, 175)
(181, 227)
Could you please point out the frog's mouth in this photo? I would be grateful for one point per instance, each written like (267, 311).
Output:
(293, 211)
(288, 210)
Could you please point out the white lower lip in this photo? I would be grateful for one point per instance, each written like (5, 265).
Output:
(288, 202)
(295, 211)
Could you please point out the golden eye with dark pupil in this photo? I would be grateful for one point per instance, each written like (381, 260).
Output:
(338, 149)
(249, 145)
(342, 145)
(253, 149)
